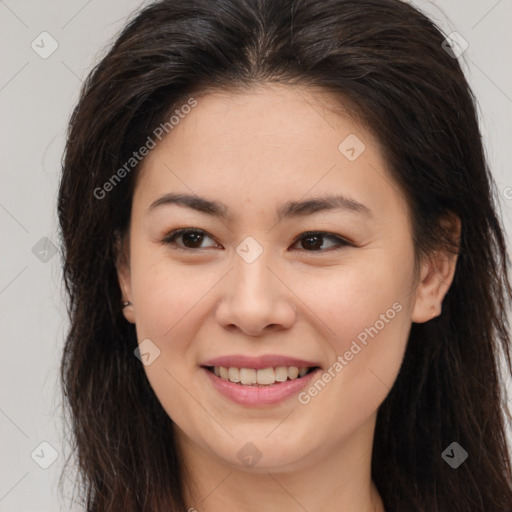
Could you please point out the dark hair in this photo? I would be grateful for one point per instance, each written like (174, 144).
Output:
(385, 60)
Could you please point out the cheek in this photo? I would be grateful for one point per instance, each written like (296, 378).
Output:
(167, 298)
(165, 292)
(367, 347)
(366, 314)
(353, 298)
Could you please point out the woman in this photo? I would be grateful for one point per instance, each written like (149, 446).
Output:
(220, 356)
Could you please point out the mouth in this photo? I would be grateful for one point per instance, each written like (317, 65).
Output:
(264, 386)
(264, 380)
(261, 377)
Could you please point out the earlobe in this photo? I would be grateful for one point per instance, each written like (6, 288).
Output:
(129, 313)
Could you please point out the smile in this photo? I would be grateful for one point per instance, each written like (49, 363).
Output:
(257, 394)
(260, 377)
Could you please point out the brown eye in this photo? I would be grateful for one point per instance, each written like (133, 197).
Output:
(191, 238)
(313, 241)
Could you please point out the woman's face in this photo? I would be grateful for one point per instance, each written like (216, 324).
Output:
(253, 290)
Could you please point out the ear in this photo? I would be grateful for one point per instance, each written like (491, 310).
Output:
(122, 262)
(436, 275)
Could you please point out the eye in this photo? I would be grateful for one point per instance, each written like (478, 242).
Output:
(312, 240)
(190, 237)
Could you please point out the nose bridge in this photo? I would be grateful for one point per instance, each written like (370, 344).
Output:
(251, 272)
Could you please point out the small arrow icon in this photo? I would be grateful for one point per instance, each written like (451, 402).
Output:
(44, 455)
(454, 455)
(147, 352)
(44, 250)
(455, 45)
(351, 147)
(44, 45)
(249, 455)
(249, 249)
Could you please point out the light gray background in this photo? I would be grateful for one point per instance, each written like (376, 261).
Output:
(36, 99)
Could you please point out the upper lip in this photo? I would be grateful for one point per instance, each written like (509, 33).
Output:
(264, 361)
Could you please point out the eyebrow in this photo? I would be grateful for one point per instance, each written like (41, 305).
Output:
(287, 210)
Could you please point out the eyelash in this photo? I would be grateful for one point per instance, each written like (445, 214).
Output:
(170, 238)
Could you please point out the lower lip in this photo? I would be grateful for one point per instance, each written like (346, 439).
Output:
(257, 396)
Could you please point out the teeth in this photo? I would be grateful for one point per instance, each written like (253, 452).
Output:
(281, 373)
(234, 374)
(293, 372)
(247, 375)
(265, 376)
(261, 377)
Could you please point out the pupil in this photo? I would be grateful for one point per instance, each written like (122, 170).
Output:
(194, 237)
(313, 245)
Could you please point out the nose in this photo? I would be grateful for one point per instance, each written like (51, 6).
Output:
(256, 297)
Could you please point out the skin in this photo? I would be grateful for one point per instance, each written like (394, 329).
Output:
(253, 151)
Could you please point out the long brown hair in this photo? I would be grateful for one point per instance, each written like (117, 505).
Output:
(387, 61)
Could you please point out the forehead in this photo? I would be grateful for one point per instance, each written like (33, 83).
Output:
(265, 146)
